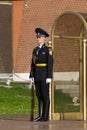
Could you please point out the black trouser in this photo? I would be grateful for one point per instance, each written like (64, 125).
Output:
(42, 93)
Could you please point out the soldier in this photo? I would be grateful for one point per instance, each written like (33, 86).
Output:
(41, 73)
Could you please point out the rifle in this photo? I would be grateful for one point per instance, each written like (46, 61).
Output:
(32, 102)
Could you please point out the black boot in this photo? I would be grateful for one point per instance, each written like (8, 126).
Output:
(40, 110)
(45, 116)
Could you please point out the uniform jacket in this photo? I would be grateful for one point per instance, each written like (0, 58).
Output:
(44, 56)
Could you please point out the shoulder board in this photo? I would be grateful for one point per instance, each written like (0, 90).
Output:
(50, 51)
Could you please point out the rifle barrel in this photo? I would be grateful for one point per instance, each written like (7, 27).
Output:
(32, 102)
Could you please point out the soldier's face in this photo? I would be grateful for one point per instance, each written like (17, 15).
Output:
(41, 40)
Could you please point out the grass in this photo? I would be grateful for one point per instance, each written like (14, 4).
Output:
(63, 103)
(15, 100)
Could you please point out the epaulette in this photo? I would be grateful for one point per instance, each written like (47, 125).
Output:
(50, 48)
(50, 51)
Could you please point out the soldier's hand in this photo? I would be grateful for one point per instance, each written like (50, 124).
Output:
(48, 80)
(31, 80)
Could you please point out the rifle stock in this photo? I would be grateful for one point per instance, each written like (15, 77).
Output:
(32, 103)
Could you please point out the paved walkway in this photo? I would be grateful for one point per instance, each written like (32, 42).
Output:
(25, 124)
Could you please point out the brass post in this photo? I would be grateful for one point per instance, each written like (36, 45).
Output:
(84, 56)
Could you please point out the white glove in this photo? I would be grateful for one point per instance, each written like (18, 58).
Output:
(31, 80)
(48, 80)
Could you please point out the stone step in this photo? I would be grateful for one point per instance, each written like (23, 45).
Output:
(72, 90)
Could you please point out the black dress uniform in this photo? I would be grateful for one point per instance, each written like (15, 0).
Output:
(41, 69)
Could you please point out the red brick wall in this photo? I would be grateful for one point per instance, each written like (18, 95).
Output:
(17, 9)
(43, 13)
(67, 51)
